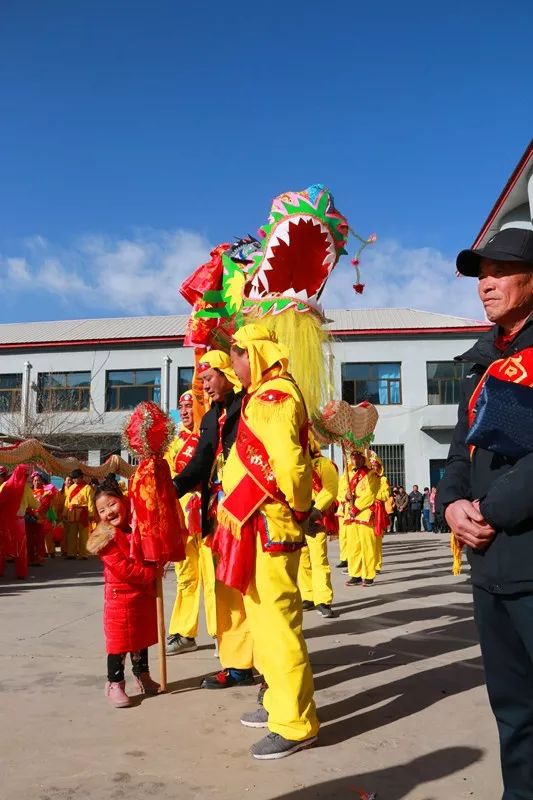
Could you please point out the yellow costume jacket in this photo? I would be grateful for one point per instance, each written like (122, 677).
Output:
(79, 505)
(365, 489)
(329, 478)
(343, 511)
(28, 502)
(384, 489)
(276, 414)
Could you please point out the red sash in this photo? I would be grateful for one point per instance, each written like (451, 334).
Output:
(236, 552)
(358, 476)
(77, 489)
(258, 484)
(513, 369)
(190, 442)
(82, 515)
(381, 518)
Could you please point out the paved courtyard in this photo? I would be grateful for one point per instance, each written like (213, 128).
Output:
(399, 690)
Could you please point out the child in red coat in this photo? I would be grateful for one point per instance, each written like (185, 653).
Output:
(130, 617)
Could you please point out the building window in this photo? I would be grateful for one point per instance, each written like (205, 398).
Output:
(185, 375)
(380, 384)
(126, 388)
(392, 458)
(444, 381)
(63, 391)
(10, 392)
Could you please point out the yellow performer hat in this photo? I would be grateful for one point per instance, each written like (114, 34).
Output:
(264, 351)
(217, 359)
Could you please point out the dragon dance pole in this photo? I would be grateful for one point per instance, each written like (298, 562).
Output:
(161, 633)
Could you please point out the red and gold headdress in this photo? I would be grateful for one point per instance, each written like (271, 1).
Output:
(159, 526)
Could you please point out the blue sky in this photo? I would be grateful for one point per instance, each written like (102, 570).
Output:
(136, 135)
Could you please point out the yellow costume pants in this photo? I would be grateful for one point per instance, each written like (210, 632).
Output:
(235, 643)
(353, 550)
(274, 610)
(361, 552)
(77, 535)
(194, 573)
(314, 572)
(343, 541)
(379, 552)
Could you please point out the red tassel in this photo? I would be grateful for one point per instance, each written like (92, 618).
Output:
(359, 287)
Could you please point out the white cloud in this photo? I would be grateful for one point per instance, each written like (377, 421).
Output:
(393, 275)
(141, 275)
(17, 270)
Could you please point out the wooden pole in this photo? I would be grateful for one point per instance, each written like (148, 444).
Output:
(161, 635)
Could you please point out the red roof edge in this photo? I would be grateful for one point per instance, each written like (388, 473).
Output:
(520, 167)
(84, 342)
(400, 331)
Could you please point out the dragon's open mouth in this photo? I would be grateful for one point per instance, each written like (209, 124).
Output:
(299, 257)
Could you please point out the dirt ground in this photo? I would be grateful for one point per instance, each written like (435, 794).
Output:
(399, 688)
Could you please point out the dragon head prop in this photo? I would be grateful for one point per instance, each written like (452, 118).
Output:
(301, 244)
(278, 278)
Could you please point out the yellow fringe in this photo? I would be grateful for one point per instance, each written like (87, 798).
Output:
(227, 521)
(457, 551)
(305, 338)
(267, 411)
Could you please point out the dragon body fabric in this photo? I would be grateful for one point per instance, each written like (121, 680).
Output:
(278, 279)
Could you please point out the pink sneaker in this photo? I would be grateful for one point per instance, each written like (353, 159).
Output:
(116, 694)
(145, 684)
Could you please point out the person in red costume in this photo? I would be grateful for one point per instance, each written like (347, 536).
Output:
(130, 620)
(13, 501)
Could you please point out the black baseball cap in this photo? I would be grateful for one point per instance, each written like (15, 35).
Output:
(511, 244)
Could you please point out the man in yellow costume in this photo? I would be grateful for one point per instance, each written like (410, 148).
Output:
(314, 574)
(197, 571)
(381, 518)
(343, 512)
(362, 493)
(79, 512)
(267, 485)
(218, 430)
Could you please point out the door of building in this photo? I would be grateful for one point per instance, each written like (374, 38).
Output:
(436, 470)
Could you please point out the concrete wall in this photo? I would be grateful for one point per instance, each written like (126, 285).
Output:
(401, 424)
(98, 362)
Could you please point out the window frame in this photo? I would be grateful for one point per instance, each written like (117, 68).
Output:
(109, 387)
(455, 382)
(184, 388)
(51, 391)
(391, 382)
(392, 457)
(11, 392)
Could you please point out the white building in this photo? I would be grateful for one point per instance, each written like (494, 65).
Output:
(514, 206)
(75, 381)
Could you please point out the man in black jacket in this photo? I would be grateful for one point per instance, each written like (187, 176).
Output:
(218, 430)
(488, 502)
(416, 501)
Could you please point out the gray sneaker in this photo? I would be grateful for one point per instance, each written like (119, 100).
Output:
(255, 719)
(180, 644)
(325, 610)
(275, 746)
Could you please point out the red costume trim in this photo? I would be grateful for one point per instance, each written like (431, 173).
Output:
(190, 442)
(240, 507)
